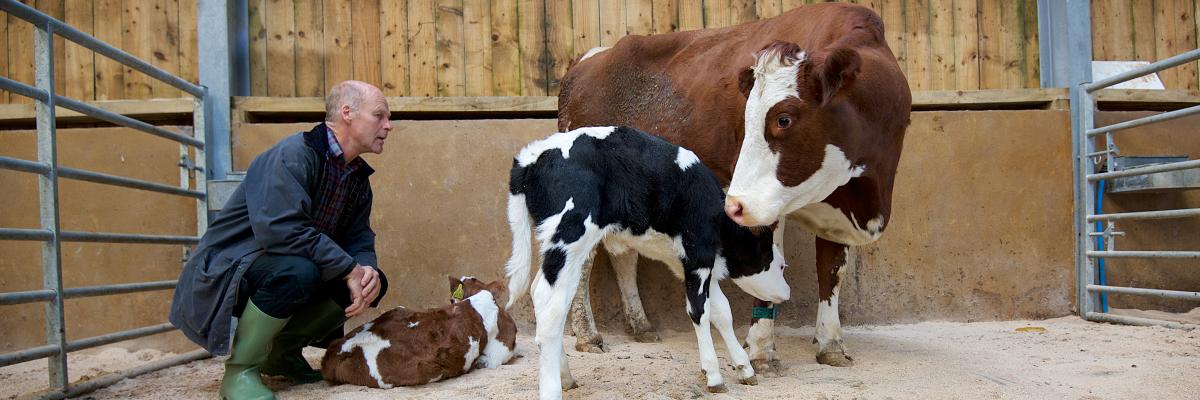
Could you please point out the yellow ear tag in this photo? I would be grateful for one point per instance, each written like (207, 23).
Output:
(458, 292)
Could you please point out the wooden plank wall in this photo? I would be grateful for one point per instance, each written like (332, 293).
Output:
(162, 32)
(522, 47)
(1146, 30)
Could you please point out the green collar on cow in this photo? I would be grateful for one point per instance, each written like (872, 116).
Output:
(766, 312)
(458, 292)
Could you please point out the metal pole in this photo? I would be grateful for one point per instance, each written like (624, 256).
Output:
(107, 380)
(104, 237)
(17, 164)
(217, 23)
(93, 111)
(31, 296)
(106, 179)
(1167, 116)
(1085, 204)
(1143, 254)
(1179, 59)
(1146, 170)
(1054, 60)
(43, 235)
(1127, 320)
(1079, 55)
(1163, 214)
(201, 130)
(43, 44)
(114, 337)
(1170, 294)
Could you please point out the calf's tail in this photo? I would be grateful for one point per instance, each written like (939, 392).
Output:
(518, 267)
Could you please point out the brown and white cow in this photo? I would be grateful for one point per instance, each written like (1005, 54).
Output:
(802, 115)
(404, 348)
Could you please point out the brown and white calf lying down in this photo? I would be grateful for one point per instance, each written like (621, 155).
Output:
(404, 347)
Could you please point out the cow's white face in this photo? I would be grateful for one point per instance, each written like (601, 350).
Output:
(788, 157)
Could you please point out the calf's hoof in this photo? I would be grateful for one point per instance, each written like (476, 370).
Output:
(646, 337)
(769, 368)
(589, 347)
(718, 389)
(835, 359)
(752, 381)
(568, 384)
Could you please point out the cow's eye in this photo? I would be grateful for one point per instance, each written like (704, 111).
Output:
(783, 122)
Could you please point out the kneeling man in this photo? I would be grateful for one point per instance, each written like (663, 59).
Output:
(292, 254)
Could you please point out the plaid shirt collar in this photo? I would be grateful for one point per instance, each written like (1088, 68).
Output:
(335, 153)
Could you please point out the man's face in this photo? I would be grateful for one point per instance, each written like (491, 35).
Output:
(369, 126)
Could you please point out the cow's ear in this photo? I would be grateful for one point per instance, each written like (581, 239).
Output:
(838, 71)
(746, 81)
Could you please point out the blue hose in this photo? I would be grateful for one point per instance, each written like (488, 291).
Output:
(1100, 245)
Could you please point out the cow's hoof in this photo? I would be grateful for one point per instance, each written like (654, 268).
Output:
(647, 337)
(769, 368)
(569, 384)
(753, 380)
(590, 347)
(718, 389)
(835, 359)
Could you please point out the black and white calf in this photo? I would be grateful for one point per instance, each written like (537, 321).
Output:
(633, 192)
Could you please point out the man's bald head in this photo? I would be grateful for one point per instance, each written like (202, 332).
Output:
(349, 93)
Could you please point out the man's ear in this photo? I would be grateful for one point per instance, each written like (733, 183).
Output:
(746, 81)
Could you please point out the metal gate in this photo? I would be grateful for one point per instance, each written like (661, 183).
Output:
(191, 184)
(1095, 232)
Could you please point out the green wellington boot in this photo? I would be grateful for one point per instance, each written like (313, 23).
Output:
(308, 325)
(251, 344)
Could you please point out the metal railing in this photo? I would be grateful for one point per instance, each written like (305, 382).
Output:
(1089, 182)
(191, 184)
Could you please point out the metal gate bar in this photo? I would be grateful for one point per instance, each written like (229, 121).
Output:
(1088, 178)
(33, 296)
(192, 184)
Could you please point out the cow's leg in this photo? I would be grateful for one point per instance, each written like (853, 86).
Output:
(761, 338)
(550, 302)
(831, 258)
(760, 341)
(625, 266)
(697, 284)
(722, 319)
(587, 338)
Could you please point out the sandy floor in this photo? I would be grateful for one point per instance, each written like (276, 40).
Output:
(1069, 359)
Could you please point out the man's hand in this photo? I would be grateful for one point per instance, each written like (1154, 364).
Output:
(363, 282)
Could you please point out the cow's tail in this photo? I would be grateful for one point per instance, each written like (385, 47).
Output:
(518, 267)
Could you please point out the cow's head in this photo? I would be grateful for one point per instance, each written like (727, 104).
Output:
(464, 287)
(796, 115)
(754, 261)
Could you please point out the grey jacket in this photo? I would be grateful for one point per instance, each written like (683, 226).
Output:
(269, 212)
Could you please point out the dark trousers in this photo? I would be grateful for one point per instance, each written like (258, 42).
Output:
(281, 285)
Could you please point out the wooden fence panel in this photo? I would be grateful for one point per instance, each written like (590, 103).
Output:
(532, 42)
(422, 59)
(506, 54)
(310, 49)
(560, 41)
(523, 47)
(4, 54)
(80, 63)
(280, 23)
(966, 46)
(451, 55)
